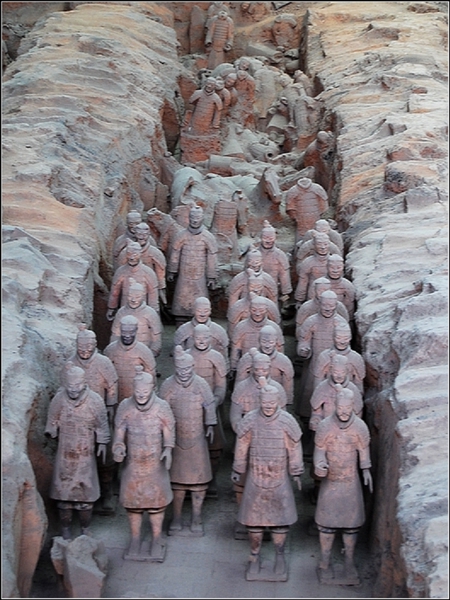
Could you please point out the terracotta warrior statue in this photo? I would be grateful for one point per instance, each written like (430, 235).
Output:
(126, 353)
(184, 335)
(149, 322)
(229, 219)
(275, 261)
(268, 450)
(240, 310)
(238, 287)
(281, 367)
(246, 333)
(151, 256)
(342, 445)
(134, 217)
(194, 408)
(136, 270)
(205, 117)
(211, 365)
(77, 416)
(305, 203)
(194, 258)
(316, 335)
(219, 38)
(143, 440)
(305, 247)
(311, 307)
(312, 267)
(101, 377)
(225, 95)
(342, 337)
(341, 286)
(323, 399)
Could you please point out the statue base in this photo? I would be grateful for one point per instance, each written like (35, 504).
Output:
(265, 573)
(336, 576)
(149, 552)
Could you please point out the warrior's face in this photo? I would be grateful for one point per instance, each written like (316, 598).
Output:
(128, 334)
(269, 404)
(342, 340)
(75, 386)
(344, 409)
(268, 343)
(85, 348)
(142, 391)
(135, 299)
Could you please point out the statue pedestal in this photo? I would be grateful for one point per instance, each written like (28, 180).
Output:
(148, 552)
(186, 531)
(336, 575)
(195, 148)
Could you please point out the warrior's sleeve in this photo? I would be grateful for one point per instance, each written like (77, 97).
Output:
(147, 359)
(284, 274)
(155, 326)
(293, 435)
(168, 424)
(120, 426)
(102, 433)
(243, 441)
(209, 404)
(159, 266)
(174, 259)
(211, 256)
(112, 381)
(363, 444)
(116, 289)
(305, 333)
(303, 280)
(54, 413)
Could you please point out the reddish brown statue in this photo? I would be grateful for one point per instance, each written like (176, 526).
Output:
(149, 322)
(238, 287)
(225, 95)
(134, 269)
(229, 219)
(341, 445)
(316, 335)
(275, 261)
(77, 417)
(242, 112)
(211, 365)
(311, 307)
(184, 335)
(143, 440)
(281, 368)
(320, 154)
(341, 346)
(305, 247)
(193, 405)
(101, 377)
(312, 267)
(206, 114)
(305, 203)
(219, 38)
(246, 333)
(268, 449)
(240, 310)
(151, 256)
(126, 353)
(323, 399)
(194, 258)
(342, 287)
(134, 217)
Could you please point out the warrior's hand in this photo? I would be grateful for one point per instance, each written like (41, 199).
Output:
(212, 284)
(110, 314)
(162, 295)
(235, 477)
(170, 277)
(367, 478)
(210, 433)
(167, 456)
(102, 452)
(119, 452)
(298, 481)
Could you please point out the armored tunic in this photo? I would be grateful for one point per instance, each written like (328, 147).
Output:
(340, 503)
(271, 448)
(121, 283)
(245, 398)
(238, 287)
(240, 310)
(281, 370)
(184, 336)
(276, 263)
(125, 359)
(194, 258)
(193, 408)
(79, 425)
(101, 375)
(323, 400)
(310, 269)
(149, 326)
(246, 336)
(206, 114)
(144, 480)
(220, 33)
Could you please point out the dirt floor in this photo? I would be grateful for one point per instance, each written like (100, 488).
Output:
(212, 566)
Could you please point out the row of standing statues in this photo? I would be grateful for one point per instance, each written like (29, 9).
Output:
(161, 442)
